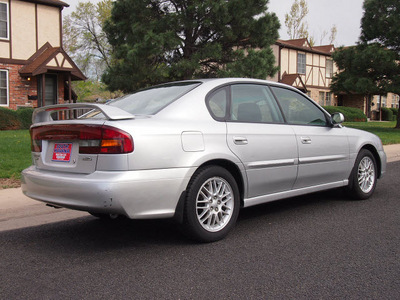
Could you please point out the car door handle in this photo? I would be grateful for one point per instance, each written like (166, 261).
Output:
(305, 140)
(238, 140)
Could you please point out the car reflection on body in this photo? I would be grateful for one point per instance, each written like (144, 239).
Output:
(197, 151)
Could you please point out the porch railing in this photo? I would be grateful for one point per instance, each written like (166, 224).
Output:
(70, 114)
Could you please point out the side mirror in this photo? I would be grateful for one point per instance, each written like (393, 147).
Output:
(337, 118)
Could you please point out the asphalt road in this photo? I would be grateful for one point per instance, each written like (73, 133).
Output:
(315, 247)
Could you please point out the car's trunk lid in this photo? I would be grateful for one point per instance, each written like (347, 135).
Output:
(74, 145)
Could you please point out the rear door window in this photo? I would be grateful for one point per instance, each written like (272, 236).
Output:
(254, 103)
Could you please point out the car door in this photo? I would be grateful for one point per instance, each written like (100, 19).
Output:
(258, 136)
(323, 149)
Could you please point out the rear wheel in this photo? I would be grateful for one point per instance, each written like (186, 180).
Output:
(362, 181)
(212, 204)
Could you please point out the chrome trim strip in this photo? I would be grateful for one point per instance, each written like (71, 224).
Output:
(319, 159)
(271, 163)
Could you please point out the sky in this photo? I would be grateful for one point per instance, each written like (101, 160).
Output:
(322, 15)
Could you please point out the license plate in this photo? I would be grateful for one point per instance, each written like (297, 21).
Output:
(62, 152)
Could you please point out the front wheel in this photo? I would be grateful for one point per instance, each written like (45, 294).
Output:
(212, 204)
(362, 181)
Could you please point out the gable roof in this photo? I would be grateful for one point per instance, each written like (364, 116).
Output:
(293, 80)
(304, 45)
(328, 49)
(49, 58)
(298, 43)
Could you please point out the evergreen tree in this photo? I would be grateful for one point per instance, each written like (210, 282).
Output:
(366, 69)
(381, 23)
(156, 41)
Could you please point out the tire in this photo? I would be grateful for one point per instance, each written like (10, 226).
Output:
(363, 177)
(212, 204)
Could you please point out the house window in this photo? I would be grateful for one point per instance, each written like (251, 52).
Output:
(328, 97)
(3, 20)
(4, 87)
(395, 101)
(329, 68)
(383, 101)
(301, 63)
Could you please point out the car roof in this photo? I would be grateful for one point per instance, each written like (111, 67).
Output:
(228, 80)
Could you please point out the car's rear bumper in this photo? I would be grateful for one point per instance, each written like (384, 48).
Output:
(137, 194)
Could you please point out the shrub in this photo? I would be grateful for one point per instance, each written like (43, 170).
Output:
(25, 117)
(9, 119)
(395, 113)
(387, 114)
(351, 114)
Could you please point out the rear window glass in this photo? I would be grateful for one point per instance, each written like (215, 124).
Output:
(152, 100)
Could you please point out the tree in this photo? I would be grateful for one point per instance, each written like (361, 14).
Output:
(84, 38)
(295, 22)
(90, 90)
(332, 36)
(297, 26)
(365, 69)
(159, 40)
(381, 23)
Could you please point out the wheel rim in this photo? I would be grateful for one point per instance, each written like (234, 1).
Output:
(214, 204)
(366, 174)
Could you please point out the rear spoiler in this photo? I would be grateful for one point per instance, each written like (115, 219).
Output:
(43, 114)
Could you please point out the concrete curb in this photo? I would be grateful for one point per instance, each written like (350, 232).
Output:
(392, 152)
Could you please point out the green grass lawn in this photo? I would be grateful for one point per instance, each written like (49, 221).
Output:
(15, 153)
(385, 130)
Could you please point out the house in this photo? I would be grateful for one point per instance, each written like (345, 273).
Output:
(310, 69)
(34, 69)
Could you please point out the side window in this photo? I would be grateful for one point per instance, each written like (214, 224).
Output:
(217, 103)
(254, 103)
(299, 110)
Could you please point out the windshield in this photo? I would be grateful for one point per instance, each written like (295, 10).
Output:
(152, 100)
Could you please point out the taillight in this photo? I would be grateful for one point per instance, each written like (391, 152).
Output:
(92, 139)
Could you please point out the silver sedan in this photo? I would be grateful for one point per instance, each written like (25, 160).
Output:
(197, 151)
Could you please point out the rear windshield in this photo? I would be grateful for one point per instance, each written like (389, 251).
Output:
(152, 100)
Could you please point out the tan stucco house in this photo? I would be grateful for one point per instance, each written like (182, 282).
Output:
(32, 59)
(307, 68)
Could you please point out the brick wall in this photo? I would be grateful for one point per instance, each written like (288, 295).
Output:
(20, 88)
(314, 94)
(356, 101)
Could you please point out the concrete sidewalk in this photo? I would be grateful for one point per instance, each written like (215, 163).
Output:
(11, 199)
(392, 152)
